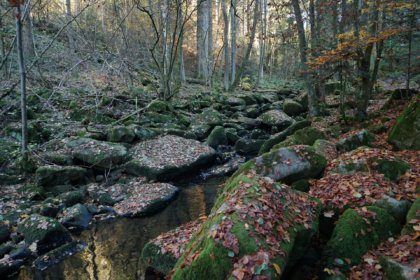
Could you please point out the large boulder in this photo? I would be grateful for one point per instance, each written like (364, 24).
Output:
(325, 148)
(292, 108)
(413, 218)
(54, 175)
(405, 134)
(248, 147)
(287, 164)
(281, 136)
(121, 134)
(169, 157)
(275, 118)
(144, 199)
(355, 140)
(46, 232)
(209, 117)
(217, 137)
(97, 154)
(357, 231)
(76, 217)
(256, 227)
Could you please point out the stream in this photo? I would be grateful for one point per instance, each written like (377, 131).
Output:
(114, 246)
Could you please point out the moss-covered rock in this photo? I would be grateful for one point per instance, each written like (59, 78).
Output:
(357, 231)
(292, 108)
(412, 218)
(281, 136)
(361, 138)
(325, 148)
(143, 133)
(7, 147)
(275, 118)
(301, 185)
(53, 175)
(98, 154)
(304, 136)
(73, 197)
(76, 217)
(392, 169)
(239, 234)
(217, 137)
(405, 134)
(46, 232)
(231, 135)
(4, 232)
(397, 208)
(201, 131)
(248, 147)
(158, 106)
(121, 134)
(168, 157)
(209, 117)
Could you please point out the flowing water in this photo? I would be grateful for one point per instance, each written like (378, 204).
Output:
(114, 246)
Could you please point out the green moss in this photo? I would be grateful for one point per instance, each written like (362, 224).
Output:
(301, 185)
(292, 108)
(50, 176)
(121, 134)
(405, 134)
(217, 137)
(411, 215)
(392, 169)
(304, 136)
(153, 257)
(352, 236)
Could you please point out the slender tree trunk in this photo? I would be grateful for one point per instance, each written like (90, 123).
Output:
(262, 42)
(2, 46)
(226, 80)
(412, 23)
(27, 35)
(22, 72)
(180, 45)
(203, 28)
(210, 40)
(70, 32)
(233, 30)
(312, 103)
(249, 47)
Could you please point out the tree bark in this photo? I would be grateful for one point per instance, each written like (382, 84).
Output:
(27, 35)
(226, 78)
(69, 32)
(312, 103)
(262, 42)
(203, 28)
(233, 30)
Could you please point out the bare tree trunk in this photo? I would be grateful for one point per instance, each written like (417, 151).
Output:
(69, 32)
(226, 80)
(233, 30)
(27, 35)
(262, 42)
(22, 72)
(180, 46)
(312, 103)
(249, 48)
(2, 46)
(203, 28)
(410, 40)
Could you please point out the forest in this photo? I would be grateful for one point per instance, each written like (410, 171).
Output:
(209, 139)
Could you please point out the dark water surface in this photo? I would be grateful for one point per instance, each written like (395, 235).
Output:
(114, 246)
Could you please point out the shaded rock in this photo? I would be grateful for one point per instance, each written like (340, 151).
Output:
(412, 218)
(281, 136)
(99, 154)
(225, 169)
(361, 138)
(395, 270)
(121, 134)
(58, 158)
(304, 136)
(248, 147)
(209, 117)
(292, 108)
(8, 266)
(236, 234)
(325, 148)
(73, 197)
(201, 131)
(59, 254)
(217, 137)
(76, 217)
(405, 134)
(231, 135)
(357, 231)
(301, 185)
(392, 169)
(143, 133)
(4, 232)
(397, 208)
(54, 175)
(145, 199)
(46, 232)
(275, 118)
(168, 157)
(7, 147)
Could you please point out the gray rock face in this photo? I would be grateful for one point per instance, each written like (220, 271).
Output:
(76, 217)
(362, 138)
(275, 118)
(144, 199)
(169, 157)
(53, 175)
(99, 154)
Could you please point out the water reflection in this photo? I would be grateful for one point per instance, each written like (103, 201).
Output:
(114, 246)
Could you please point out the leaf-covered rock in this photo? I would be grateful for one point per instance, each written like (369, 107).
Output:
(169, 157)
(353, 141)
(76, 217)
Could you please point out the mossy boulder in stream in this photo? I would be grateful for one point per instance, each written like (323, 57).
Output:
(405, 134)
(217, 137)
(357, 231)
(256, 227)
(209, 117)
(97, 154)
(76, 217)
(304, 136)
(54, 175)
(292, 108)
(275, 118)
(48, 233)
(169, 157)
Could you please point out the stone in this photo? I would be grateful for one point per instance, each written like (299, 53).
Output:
(397, 208)
(292, 108)
(54, 175)
(144, 199)
(304, 136)
(168, 157)
(325, 148)
(405, 134)
(97, 154)
(121, 134)
(46, 232)
(76, 217)
(143, 133)
(275, 118)
(209, 117)
(248, 147)
(412, 219)
(217, 137)
(361, 138)
(4, 232)
(59, 254)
